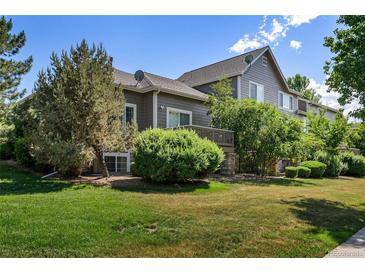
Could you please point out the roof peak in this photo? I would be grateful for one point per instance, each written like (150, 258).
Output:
(224, 60)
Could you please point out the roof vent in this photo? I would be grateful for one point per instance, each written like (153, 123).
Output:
(139, 76)
(248, 59)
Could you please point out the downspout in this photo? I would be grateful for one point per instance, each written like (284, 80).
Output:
(154, 104)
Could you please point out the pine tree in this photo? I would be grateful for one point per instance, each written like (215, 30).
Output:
(79, 107)
(11, 70)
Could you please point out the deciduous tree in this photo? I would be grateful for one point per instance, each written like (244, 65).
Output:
(346, 68)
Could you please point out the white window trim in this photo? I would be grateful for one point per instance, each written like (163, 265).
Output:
(282, 107)
(257, 84)
(134, 106)
(120, 154)
(168, 109)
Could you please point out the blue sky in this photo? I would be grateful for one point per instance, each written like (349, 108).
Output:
(171, 45)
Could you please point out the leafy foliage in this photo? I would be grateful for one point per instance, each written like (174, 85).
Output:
(11, 72)
(300, 84)
(22, 151)
(6, 151)
(317, 168)
(331, 134)
(291, 171)
(174, 155)
(262, 133)
(303, 172)
(333, 162)
(355, 164)
(345, 69)
(79, 109)
(356, 137)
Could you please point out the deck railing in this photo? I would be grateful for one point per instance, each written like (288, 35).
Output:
(222, 137)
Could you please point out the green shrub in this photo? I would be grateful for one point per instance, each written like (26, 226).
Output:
(303, 172)
(317, 168)
(6, 151)
(174, 155)
(355, 164)
(333, 162)
(291, 171)
(22, 152)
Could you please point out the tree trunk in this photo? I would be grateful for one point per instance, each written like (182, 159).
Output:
(101, 162)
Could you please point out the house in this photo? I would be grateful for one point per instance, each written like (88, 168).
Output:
(159, 102)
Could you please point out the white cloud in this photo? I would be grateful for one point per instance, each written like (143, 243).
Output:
(246, 43)
(270, 33)
(295, 44)
(277, 30)
(297, 20)
(330, 98)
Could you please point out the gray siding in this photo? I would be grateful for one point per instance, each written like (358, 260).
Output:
(198, 109)
(206, 88)
(264, 75)
(144, 107)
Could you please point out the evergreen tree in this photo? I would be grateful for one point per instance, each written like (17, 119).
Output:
(79, 108)
(11, 70)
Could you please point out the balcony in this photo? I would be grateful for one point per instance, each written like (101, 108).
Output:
(222, 137)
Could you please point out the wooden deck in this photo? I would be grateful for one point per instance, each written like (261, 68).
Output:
(222, 137)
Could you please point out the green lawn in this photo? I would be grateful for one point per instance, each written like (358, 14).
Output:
(272, 218)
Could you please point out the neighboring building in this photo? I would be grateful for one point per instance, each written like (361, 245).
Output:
(160, 102)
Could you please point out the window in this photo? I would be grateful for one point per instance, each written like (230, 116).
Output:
(264, 61)
(117, 162)
(256, 92)
(130, 114)
(178, 117)
(286, 101)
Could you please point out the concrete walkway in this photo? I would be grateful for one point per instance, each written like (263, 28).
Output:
(352, 248)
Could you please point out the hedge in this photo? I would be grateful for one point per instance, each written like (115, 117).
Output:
(291, 171)
(317, 168)
(355, 164)
(174, 155)
(303, 172)
(333, 162)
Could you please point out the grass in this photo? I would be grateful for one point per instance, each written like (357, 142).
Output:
(255, 218)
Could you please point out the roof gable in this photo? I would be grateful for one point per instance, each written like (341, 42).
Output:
(225, 68)
(153, 81)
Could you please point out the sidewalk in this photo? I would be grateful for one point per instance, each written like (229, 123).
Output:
(352, 248)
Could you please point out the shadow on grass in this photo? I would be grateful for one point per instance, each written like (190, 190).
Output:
(16, 182)
(331, 221)
(144, 187)
(273, 181)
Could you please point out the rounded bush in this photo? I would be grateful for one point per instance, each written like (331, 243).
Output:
(22, 152)
(174, 155)
(303, 172)
(333, 162)
(317, 168)
(291, 171)
(355, 164)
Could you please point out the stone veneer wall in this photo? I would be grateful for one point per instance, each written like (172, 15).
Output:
(229, 164)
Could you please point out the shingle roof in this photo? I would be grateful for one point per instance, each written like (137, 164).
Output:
(152, 80)
(214, 72)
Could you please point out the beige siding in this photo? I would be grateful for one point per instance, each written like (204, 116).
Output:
(198, 109)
